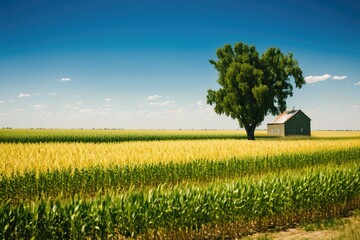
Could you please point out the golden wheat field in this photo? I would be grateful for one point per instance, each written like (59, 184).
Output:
(123, 184)
(22, 157)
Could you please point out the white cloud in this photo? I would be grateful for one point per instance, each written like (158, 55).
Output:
(167, 114)
(107, 99)
(39, 107)
(73, 106)
(18, 110)
(103, 111)
(131, 114)
(357, 83)
(24, 95)
(355, 107)
(85, 110)
(153, 97)
(2, 101)
(52, 94)
(339, 77)
(314, 79)
(65, 79)
(160, 103)
(69, 106)
(165, 103)
(200, 103)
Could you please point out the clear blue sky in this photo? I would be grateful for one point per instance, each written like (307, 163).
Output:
(144, 64)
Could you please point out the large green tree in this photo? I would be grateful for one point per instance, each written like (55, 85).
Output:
(253, 86)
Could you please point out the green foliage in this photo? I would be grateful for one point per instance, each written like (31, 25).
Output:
(88, 181)
(253, 86)
(288, 198)
(222, 199)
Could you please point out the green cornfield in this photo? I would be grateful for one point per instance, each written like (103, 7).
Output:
(118, 184)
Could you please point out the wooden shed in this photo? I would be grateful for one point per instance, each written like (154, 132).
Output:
(293, 122)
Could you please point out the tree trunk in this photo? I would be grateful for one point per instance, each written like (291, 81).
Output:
(250, 132)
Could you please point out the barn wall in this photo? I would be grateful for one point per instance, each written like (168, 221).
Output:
(298, 125)
(276, 130)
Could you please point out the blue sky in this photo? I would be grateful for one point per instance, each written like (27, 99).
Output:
(144, 64)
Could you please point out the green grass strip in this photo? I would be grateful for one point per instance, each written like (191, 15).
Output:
(103, 136)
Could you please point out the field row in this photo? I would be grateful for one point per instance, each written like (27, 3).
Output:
(97, 136)
(32, 185)
(188, 212)
(60, 184)
(42, 157)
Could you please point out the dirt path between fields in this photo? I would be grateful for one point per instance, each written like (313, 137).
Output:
(349, 230)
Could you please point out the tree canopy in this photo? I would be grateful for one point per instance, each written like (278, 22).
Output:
(253, 86)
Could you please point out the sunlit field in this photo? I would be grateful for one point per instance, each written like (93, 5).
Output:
(179, 184)
(87, 135)
(19, 157)
(331, 134)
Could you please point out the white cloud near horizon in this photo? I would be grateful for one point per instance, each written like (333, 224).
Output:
(129, 114)
(166, 114)
(24, 95)
(52, 94)
(65, 79)
(73, 107)
(355, 107)
(165, 103)
(314, 79)
(357, 83)
(18, 110)
(86, 110)
(2, 101)
(339, 77)
(39, 107)
(200, 103)
(153, 97)
(107, 99)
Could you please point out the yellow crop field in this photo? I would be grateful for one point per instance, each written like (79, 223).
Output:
(340, 134)
(119, 184)
(19, 158)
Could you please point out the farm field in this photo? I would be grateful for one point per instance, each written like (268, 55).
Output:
(97, 136)
(329, 229)
(145, 184)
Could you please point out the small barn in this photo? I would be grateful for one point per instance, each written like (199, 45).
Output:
(293, 122)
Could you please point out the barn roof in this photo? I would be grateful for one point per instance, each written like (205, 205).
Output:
(285, 116)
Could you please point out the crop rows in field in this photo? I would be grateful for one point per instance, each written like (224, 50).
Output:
(186, 212)
(171, 189)
(88, 181)
(43, 157)
(98, 136)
